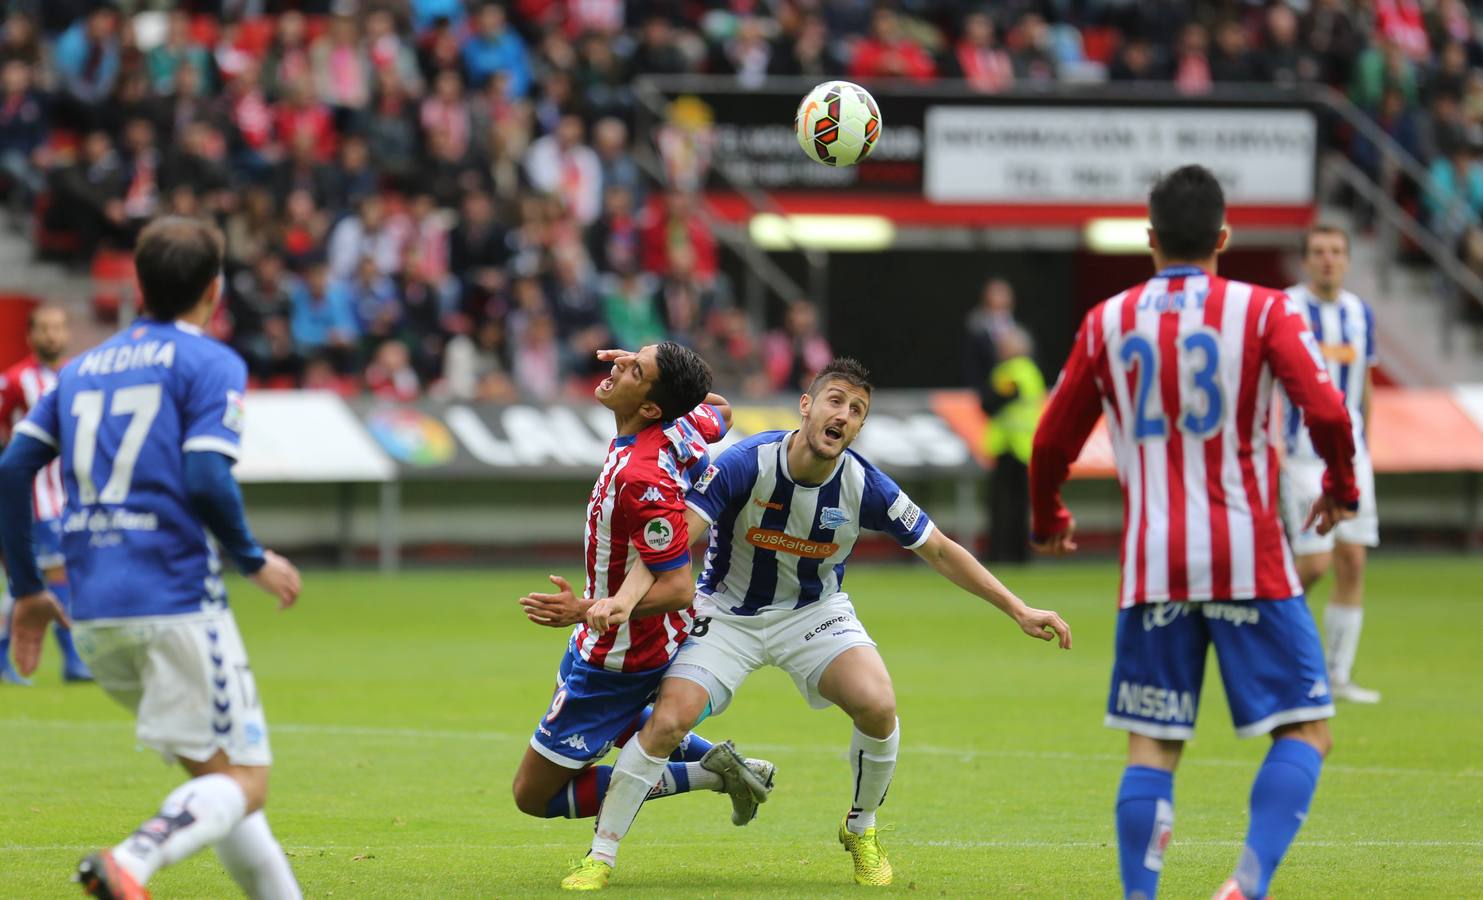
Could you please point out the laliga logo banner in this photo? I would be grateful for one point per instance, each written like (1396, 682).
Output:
(455, 440)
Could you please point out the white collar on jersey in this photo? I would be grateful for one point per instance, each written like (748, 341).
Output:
(783, 465)
(188, 328)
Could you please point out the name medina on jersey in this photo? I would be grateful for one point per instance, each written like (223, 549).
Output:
(109, 360)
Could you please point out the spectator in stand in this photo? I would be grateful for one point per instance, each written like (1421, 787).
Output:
(1192, 71)
(390, 375)
(478, 241)
(1332, 35)
(189, 105)
(373, 297)
(1396, 120)
(195, 158)
(1380, 67)
(255, 146)
(474, 368)
(1401, 22)
(734, 351)
(446, 111)
(747, 55)
(425, 230)
(537, 360)
(320, 375)
(508, 140)
(392, 127)
(685, 300)
(249, 230)
(287, 59)
(602, 79)
(141, 159)
(614, 241)
(577, 311)
(495, 47)
(1034, 60)
(1233, 62)
(365, 233)
(1446, 131)
(87, 59)
(342, 73)
(23, 131)
(355, 177)
(610, 142)
(386, 50)
(561, 164)
(133, 99)
(258, 296)
(438, 48)
(20, 41)
(302, 233)
(1284, 59)
(658, 51)
(984, 64)
(323, 322)
(677, 221)
(448, 174)
(178, 51)
(1456, 205)
(889, 53)
(300, 114)
(811, 52)
(797, 351)
(1137, 60)
(232, 59)
(425, 313)
(302, 170)
(631, 311)
(1451, 75)
(89, 196)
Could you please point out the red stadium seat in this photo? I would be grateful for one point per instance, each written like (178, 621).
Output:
(1098, 44)
(204, 30)
(113, 283)
(256, 35)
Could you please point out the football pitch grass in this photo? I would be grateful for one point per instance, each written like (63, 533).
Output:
(399, 707)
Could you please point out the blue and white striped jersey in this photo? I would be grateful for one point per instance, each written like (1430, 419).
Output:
(783, 545)
(1345, 333)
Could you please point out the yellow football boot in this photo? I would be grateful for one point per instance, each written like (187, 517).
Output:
(587, 875)
(871, 866)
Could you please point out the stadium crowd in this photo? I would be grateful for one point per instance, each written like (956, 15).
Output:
(438, 195)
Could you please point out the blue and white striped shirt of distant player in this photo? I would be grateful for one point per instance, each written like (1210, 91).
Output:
(777, 544)
(1345, 333)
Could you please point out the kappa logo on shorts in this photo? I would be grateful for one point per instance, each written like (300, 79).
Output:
(1320, 689)
(576, 742)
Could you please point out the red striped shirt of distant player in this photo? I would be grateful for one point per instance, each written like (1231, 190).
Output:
(21, 387)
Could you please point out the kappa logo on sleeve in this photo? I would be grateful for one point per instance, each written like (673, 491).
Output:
(235, 413)
(652, 495)
(659, 534)
(705, 479)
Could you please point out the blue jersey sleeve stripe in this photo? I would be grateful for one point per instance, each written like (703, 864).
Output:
(31, 429)
(720, 420)
(700, 511)
(669, 566)
(206, 442)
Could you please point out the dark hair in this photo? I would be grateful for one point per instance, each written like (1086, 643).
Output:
(842, 368)
(176, 259)
(1187, 209)
(1325, 228)
(34, 315)
(682, 383)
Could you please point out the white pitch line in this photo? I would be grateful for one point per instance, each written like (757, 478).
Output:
(895, 842)
(963, 753)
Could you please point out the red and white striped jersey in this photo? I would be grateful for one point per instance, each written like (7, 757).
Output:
(1183, 366)
(637, 511)
(21, 386)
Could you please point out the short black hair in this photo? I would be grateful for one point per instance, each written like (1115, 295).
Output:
(176, 259)
(1325, 228)
(842, 368)
(1187, 210)
(682, 382)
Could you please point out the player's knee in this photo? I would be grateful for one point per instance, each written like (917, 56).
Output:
(1315, 734)
(526, 799)
(253, 780)
(666, 728)
(875, 714)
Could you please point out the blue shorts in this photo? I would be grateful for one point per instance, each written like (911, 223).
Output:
(47, 535)
(590, 711)
(1270, 656)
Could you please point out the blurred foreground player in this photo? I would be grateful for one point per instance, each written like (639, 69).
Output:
(147, 425)
(665, 418)
(1184, 366)
(1344, 329)
(783, 510)
(21, 388)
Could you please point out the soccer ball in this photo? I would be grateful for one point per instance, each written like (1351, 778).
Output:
(837, 124)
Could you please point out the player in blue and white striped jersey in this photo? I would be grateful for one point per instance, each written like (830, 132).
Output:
(1344, 329)
(784, 511)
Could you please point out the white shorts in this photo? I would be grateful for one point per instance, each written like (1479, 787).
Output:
(1302, 483)
(187, 681)
(723, 649)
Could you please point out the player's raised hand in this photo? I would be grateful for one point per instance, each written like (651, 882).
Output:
(280, 578)
(1060, 544)
(1327, 513)
(616, 355)
(559, 610)
(1045, 625)
(33, 613)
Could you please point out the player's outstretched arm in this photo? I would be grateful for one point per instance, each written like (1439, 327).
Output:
(1065, 425)
(957, 565)
(217, 500)
(35, 607)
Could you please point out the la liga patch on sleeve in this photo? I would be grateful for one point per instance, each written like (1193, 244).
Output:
(659, 534)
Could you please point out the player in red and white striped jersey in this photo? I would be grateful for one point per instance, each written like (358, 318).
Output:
(21, 387)
(666, 418)
(1184, 367)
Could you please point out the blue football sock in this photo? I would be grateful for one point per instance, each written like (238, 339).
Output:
(1280, 797)
(582, 796)
(1145, 821)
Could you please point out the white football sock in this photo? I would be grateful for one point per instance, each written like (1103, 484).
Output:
(1342, 625)
(256, 862)
(634, 775)
(195, 815)
(697, 779)
(6, 602)
(873, 762)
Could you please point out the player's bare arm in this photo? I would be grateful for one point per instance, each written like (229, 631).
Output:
(957, 565)
(561, 609)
